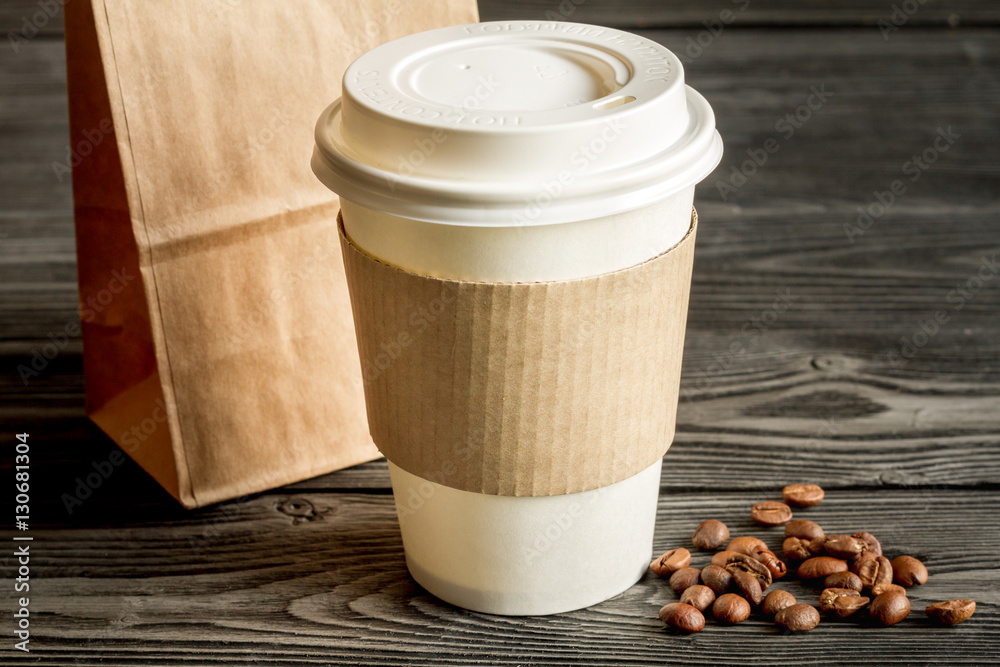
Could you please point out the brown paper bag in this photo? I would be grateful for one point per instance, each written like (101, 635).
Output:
(219, 349)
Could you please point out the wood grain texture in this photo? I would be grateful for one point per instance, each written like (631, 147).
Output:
(623, 13)
(673, 14)
(248, 584)
(908, 448)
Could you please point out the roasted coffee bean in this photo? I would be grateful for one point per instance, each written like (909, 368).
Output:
(820, 567)
(874, 570)
(731, 608)
(842, 601)
(670, 562)
(908, 571)
(748, 585)
(878, 589)
(684, 578)
(816, 547)
(872, 545)
(798, 618)
(710, 535)
(951, 612)
(682, 617)
(722, 557)
(776, 567)
(717, 578)
(751, 565)
(802, 495)
(796, 548)
(804, 528)
(771, 513)
(890, 608)
(843, 580)
(844, 546)
(746, 545)
(698, 596)
(855, 565)
(777, 600)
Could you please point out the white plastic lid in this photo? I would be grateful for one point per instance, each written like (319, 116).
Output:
(515, 122)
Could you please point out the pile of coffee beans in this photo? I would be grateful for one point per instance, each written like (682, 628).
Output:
(855, 575)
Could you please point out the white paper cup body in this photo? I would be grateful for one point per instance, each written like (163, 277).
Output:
(504, 554)
(581, 160)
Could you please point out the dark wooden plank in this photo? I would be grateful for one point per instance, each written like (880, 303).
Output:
(245, 583)
(29, 20)
(24, 17)
(673, 14)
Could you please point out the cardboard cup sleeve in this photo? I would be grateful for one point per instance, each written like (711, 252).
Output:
(522, 389)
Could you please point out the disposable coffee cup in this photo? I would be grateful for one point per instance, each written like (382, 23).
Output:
(518, 232)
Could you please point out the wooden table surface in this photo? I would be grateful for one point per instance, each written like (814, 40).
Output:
(906, 440)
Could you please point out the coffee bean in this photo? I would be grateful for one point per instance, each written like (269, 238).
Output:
(684, 578)
(820, 567)
(798, 618)
(710, 535)
(802, 495)
(682, 617)
(751, 565)
(847, 580)
(855, 565)
(842, 601)
(951, 612)
(730, 608)
(844, 546)
(804, 528)
(816, 547)
(890, 608)
(771, 513)
(796, 548)
(878, 589)
(698, 596)
(722, 557)
(777, 600)
(908, 571)
(748, 585)
(746, 545)
(776, 567)
(874, 570)
(872, 545)
(670, 562)
(717, 578)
